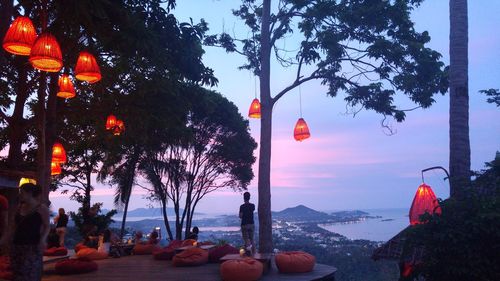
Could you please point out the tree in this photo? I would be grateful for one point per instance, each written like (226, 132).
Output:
(493, 96)
(214, 152)
(367, 49)
(459, 100)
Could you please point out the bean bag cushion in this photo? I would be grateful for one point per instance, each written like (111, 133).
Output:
(168, 252)
(247, 269)
(190, 257)
(145, 249)
(91, 254)
(188, 242)
(75, 266)
(204, 243)
(59, 251)
(79, 246)
(216, 253)
(295, 262)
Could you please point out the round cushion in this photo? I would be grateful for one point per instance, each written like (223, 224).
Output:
(75, 266)
(188, 242)
(218, 252)
(295, 262)
(168, 252)
(79, 246)
(190, 257)
(247, 269)
(56, 251)
(91, 254)
(145, 249)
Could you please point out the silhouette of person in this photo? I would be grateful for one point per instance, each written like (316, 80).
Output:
(247, 223)
(194, 233)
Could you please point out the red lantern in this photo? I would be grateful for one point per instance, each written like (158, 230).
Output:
(46, 54)
(58, 153)
(55, 169)
(110, 122)
(424, 201)
(254, 111)
(119, 127)
(301, 131)
(66, 88)
(87, 69)
(20, 37)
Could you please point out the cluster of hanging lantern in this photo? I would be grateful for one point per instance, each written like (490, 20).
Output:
(58, 159)
(116, 126)
(45, 54)
(301, 130)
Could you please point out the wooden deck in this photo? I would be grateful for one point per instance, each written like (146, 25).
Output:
(145, 268)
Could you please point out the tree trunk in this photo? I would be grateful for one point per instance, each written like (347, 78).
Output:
(124, 218)
(165, 218)
(459, 100)
(41, 156)
(264, 209)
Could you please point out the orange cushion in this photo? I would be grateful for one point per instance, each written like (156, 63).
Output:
(91, 254)
(168, 252)
(216, 253)
(56, 251)
(247, 269)
(75, 266)
(191, 257)
(188, 242)
(145, 249)
(295, 262)
(79, 246)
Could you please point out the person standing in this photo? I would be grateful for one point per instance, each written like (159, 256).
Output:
(61, 222)
(247, 223)
(30, 234)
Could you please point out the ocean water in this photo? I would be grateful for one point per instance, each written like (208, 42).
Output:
(379, 229)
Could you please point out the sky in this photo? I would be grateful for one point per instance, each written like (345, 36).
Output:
(348, 163)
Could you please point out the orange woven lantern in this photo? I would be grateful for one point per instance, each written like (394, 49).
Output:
(58, 153)
(301, 131)
(46, 54)
(55, 169)
(425, 201)
(66, 88)
(20, 37)
(110, 122)
(119, 127)
(87, 68)
(254, 111)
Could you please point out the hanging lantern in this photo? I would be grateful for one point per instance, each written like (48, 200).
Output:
(87, 68)
(46, 54)
(110, 122)
(254, 111)
(66, 88)
(58, 153)
(55, 168)
(119, 127)
(26, 180)
(301, 131)
(20, 37)
(424, 201)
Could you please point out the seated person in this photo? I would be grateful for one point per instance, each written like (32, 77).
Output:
(138, 237)
(52, 239)
(153, 238)
(194, 233)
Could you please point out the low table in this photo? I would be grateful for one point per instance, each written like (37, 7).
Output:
(204, 247)
(125, 249)
(265, 259)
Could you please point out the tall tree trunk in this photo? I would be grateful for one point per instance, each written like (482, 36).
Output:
(459, 100)
(124, 218)
(42, 178)
(264, 209)
(165, 218)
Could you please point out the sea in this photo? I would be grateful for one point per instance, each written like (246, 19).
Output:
(390, 223)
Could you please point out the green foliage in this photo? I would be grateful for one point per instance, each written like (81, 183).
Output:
(493, 96)
(464, 242)
(84, 220)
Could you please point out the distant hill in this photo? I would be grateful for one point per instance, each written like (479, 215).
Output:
(150, 212)
(300, 212)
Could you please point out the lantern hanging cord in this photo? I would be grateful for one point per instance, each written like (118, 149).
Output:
(434, 168)
(300, 102)
(255, 85)
(43, 15)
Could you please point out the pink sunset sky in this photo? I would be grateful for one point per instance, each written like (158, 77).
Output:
(349, 163)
